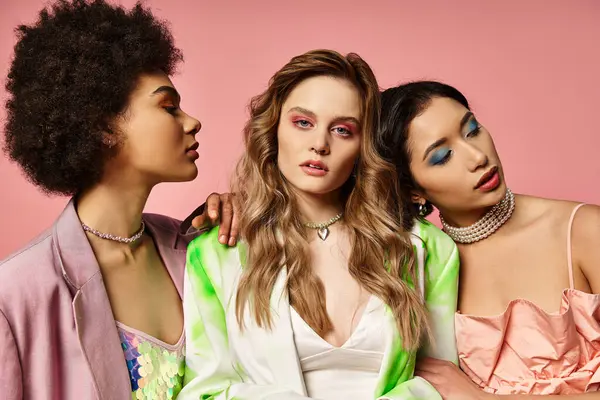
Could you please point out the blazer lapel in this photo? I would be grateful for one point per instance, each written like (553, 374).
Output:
(171, 250)
(94, 321)
(279, 346)
(100, 342)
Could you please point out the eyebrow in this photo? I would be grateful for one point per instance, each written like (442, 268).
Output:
(313, 115)
(168, 90)
(432, 146)
(465, 118)
(440, 142)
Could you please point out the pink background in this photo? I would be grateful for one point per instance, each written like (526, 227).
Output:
(530, 68)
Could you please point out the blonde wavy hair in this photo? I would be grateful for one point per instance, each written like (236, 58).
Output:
(382, 257)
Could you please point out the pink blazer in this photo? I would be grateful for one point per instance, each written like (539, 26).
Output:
(58, 338)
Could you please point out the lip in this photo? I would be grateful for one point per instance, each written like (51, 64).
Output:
(308, 167)
(191, 151)
(193, 147)
(489, 181)
(315, 163)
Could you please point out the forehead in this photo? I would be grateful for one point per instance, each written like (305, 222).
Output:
(325, 96)
(441, 118)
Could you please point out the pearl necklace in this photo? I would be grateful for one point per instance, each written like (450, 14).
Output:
(114, 238)
(323, 227)
(487, 225)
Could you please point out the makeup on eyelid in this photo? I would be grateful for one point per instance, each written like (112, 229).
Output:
(300, 118)
(301, 122)
(440, 156)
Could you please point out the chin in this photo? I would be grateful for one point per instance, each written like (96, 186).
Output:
(317, 189)
(494, 197)
(185, 175)
(192, 175)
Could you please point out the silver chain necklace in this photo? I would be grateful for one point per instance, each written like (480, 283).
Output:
(487, 225)
(114, 238)
(323, 227)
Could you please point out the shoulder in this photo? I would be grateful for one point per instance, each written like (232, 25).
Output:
(29, 277)
(585, 237)
(436, 243)
(207, 259)
(586, 222)
(28, 261)
(167, 227)
(162, 222)
(548, 214)
(561, 218)
(559, 212)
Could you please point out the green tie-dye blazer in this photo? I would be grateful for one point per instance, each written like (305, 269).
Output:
(225, 363)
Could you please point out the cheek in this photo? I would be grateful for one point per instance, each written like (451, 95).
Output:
(440, 181)
(486, 144)
(493, 153)
(157, 129)
(348, 155)
(288, 150)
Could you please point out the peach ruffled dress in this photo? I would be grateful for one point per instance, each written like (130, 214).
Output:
(526, 350)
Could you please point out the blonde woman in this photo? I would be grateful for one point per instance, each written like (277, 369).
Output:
(323, 298)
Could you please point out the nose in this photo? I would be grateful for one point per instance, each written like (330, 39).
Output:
(477, 158)
(191, 125)
(320, 144)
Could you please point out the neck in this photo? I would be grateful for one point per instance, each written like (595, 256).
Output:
(112, 209)
(319, 208)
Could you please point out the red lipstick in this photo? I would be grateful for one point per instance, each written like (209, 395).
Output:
(489, 181)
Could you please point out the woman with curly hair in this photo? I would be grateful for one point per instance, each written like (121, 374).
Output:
(91, 309)
(324, 296)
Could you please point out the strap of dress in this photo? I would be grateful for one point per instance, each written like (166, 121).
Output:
(569, 252)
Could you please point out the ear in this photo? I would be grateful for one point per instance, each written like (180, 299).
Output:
(109, 138)
(417, 198)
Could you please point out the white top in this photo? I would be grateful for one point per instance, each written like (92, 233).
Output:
(349, 372)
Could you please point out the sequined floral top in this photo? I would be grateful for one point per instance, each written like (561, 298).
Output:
(155, 367)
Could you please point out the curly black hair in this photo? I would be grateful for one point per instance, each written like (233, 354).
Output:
(72, 74)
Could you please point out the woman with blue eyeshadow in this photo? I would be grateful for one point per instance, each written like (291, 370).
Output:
(529, 309)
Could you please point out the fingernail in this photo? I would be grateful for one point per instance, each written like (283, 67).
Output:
(232, 241)
(213, 214)
(223, 239)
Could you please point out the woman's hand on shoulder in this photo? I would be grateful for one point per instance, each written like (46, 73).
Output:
(219, 209)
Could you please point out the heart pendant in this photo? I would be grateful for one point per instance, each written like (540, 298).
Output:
(323, 233)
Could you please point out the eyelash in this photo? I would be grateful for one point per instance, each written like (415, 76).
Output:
(299, 123)
(472, 133)
(475, 131)
(345, 133)
(445, 159)
(171, 110)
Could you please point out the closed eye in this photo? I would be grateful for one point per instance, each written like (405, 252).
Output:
(171, 109)
(440, 156)
(474, 128)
